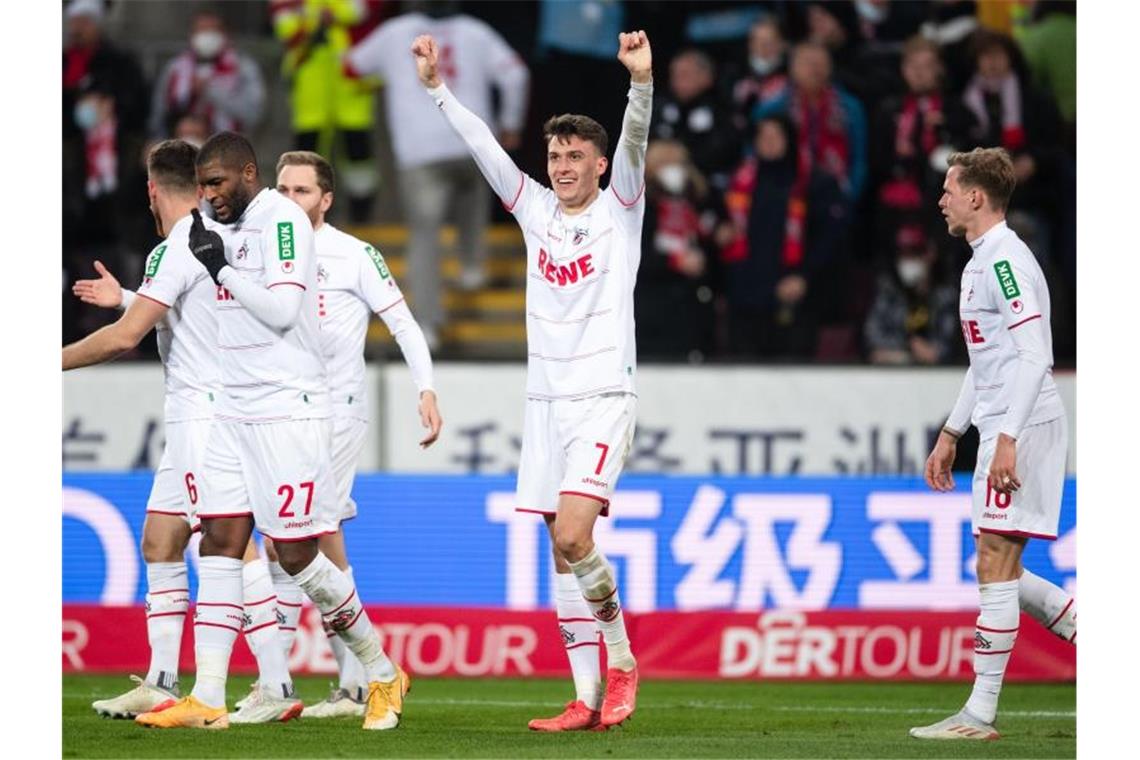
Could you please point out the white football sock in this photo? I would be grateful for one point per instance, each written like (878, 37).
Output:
(596, 580)
(261, 632)
(167, 600)
(1048, 604)
(993, 643)
(290, 597)
(335, 596)
(217, 623)
(582, 639)
(352, 676)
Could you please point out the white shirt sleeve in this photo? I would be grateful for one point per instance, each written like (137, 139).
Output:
(167, 273)
(504, 176)
(404, 328)
(959, 419)
(128, 299)
(511, 77)
(375, 284)
(369, 56)
(1020, 307)
(627, 180)
(277, 308)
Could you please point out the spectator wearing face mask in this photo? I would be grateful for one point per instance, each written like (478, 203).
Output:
(694, 113)
(767, 74)
(673, 305)
(210, 79)
(914, 318)
(782, 270)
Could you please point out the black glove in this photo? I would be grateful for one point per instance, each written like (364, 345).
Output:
(207, 246)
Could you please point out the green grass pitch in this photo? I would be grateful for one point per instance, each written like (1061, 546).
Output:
(487, 718)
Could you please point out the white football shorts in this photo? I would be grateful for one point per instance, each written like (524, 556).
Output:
(177, 481)
(347, 443)
(1034, 510)
(278, 472)
(574, 447)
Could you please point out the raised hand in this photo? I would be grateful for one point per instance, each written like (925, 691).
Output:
(427, 60)
(207, 246)
(105, 291)
(635, 55)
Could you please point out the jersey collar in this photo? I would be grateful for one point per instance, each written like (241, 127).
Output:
(993, 233)
(257, 199)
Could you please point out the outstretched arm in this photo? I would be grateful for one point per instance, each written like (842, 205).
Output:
(105, 291)
(108, 342)
(628, 179)
(504, 176)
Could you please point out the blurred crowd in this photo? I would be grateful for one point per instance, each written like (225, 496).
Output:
(796, 157)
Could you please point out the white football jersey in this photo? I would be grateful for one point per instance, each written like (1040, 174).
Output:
(354, 283)
(268, 375)
(581, 269)
(188, 334)
(1003, 289)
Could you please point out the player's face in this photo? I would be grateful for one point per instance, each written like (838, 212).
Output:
(958, 204)
(575, 167)
(299, 184)
(226, 189)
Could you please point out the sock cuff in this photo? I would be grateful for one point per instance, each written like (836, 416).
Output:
(161, 576)
(214, 565)
(276, 572)
(254, 571)
(1000, 587)
(319, 565)
(588, 564)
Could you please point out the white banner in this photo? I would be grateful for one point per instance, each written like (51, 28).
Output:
(692, 420)
(706, 420)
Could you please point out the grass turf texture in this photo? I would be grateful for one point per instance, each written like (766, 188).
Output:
(487, 718)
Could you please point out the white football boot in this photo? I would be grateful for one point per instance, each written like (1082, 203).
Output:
(141, 699)
(339, 704)
(962, 725)
(262, 707)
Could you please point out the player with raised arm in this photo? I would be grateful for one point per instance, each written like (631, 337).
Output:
(354, 283)
(267, 462)
(1009, 394)
(176, 299)
(583, 250)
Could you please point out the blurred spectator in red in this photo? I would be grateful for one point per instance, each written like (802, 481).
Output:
(781, 270)
(912, 134)
(674, 301)
(210, 79)
(767, 74)
(830, 123)
(914, 318)
(693, 112)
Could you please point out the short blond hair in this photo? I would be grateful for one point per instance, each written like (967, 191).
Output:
(988, 169)
(320, 165)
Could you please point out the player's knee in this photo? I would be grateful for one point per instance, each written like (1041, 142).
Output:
(296, 556)
(573, 545)
(160, 549)
(996, 565)
(219, 542)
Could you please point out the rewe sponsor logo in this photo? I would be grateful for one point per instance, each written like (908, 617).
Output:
(784, 645)
(565, 274)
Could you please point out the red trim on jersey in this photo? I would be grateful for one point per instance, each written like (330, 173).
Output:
(576, 620)
(176, 590)
(196, 529)
(219, 604)
(604, 502)
(165, 614)
(1027, 319)
(288, 604)
(161, 512)
(299, 538)
(1018, 533)
(231, 514)
(636, 198)
(583, 644)
(1058, 618)
(604, 598)
(288, 282)
(537, 511)
(522, 184)
(389, 306)
(259, 627)
(996, 630)
(217, 625)
(152, 298)
(998, 651)
(263, 601)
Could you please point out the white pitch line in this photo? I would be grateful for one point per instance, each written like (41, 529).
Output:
(925, 710)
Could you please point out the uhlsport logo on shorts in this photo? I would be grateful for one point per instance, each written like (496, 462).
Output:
(1006, 280)
(285, 241)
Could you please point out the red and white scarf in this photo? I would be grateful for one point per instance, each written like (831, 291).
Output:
(222, 73)
(1009, 89)
(821, 143)
(102, 159)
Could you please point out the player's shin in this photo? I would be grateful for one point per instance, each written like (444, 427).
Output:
(261, 631)
(1048, 604)
(993, 643)
(289, 600)
(580, 636)
(334, 594)
(217, 622)
(167, 600)
(596, 580)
